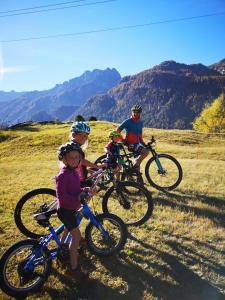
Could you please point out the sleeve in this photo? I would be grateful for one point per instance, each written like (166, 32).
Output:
(122, 126)
(108, 148)
(62, 194)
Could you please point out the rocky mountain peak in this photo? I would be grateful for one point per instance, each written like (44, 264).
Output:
(219, 67)
(172, 66)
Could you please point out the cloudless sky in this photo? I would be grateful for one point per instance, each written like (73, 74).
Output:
(40, 64)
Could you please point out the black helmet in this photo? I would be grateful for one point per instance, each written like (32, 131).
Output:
(68, 147)
(137, 108)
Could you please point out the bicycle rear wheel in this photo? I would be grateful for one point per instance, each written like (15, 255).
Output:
(114, 240)
(16, 281)
(169, 178)
(30, 204)
(130, 201)
(100, 159)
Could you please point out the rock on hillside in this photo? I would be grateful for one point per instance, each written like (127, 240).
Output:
(219, 67)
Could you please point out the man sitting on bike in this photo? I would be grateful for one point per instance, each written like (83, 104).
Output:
(133, 139)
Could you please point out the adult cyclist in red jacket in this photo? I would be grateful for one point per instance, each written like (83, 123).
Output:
(133, 138)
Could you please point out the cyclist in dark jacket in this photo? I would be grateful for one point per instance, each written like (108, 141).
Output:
(112, 150)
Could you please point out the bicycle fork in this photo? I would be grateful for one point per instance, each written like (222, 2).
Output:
(161, 170)
(122, 199)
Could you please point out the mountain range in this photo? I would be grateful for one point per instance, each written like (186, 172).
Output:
(172, 95)
(59, 102)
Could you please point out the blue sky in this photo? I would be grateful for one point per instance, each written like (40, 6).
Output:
(40, 64)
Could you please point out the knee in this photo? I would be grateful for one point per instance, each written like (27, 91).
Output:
(144, 152)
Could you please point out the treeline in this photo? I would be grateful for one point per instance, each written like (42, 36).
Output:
(212, 117)
(79, 118)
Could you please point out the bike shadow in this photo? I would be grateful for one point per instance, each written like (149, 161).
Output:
(184, 283)
(182, 200)
(90, 289)
(169, 277)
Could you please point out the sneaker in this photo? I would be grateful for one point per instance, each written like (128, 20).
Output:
(77, 274)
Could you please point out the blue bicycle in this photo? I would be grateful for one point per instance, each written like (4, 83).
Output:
(25, 266)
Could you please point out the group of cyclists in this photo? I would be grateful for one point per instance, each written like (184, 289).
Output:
(71, 180)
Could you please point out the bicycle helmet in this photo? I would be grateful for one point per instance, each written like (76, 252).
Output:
(114, 133)
(78, 127)
(68, 147)
(137, 108)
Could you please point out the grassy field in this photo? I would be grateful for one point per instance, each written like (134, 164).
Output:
(178, 254)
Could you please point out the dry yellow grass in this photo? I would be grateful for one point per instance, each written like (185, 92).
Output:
(177, 254)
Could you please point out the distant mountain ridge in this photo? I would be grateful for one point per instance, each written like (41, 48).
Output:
(7, 96)
(61, 101)
(171, 94)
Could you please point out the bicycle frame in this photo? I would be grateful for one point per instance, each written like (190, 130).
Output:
(86, 212)
(150, 148)
(30, 265)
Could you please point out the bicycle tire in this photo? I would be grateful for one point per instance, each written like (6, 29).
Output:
(152, 178)
(26, 226)
(104, 252)
(100, 159)
(141, 207)
(5, 284)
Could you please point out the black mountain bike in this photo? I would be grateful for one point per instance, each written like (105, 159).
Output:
(130, 201)
(162, 171)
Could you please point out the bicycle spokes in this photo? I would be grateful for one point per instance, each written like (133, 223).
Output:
(106, 235)
(129, 202)
(164, 172)
(17, 272)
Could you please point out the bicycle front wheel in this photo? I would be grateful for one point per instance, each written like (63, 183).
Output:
(17, 281)
(111, 241)
(130, 201)
(166, 179)
(31, 204)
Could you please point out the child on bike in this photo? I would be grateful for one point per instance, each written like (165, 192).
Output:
(79, 135)
(113, 151)
(68, 192)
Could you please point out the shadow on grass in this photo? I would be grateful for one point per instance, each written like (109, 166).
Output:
(169, 277)
(181, 200)
(183, 283)
(91, 289)
(25, 128)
